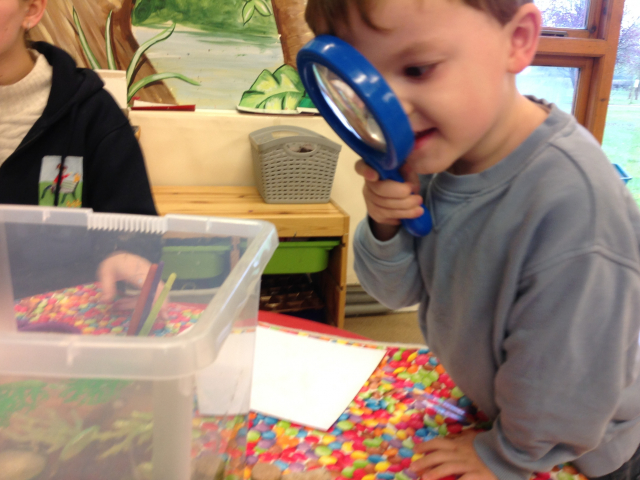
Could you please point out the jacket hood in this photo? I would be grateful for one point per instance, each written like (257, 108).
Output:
(70, 85)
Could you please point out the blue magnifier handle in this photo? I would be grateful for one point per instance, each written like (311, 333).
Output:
(418, 227)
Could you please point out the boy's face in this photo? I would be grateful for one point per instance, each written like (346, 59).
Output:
(447, 63)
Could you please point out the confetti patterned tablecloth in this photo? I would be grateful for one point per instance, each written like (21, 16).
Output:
(408, 399)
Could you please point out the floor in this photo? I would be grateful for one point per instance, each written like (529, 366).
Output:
(391, 327)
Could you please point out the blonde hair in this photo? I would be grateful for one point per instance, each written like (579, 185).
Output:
(324, 16)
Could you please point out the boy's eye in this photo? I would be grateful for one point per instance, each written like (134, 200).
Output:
(417, 72)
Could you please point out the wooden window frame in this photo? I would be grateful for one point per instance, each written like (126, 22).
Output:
(585, 67)
(594, 51)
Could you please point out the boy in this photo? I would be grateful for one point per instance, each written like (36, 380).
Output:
(529, 284)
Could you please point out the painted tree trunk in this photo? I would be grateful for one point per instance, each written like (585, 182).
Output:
(57, 27)
(294, 31)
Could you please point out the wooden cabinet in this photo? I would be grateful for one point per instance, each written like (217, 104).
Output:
(291, 220)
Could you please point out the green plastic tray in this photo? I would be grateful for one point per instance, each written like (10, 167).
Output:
(301, 257)
(194, 262)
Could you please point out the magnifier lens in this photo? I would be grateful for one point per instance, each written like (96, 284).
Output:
(349, 108)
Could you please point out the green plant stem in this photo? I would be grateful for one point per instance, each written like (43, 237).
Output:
(155, 78)
(111, 60)
(93, 62)
(143, 48)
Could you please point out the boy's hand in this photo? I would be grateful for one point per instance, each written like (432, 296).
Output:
(126, 267)
(388, 201)
(452, 457)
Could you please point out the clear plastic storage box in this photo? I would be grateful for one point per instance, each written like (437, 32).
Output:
(84, 395)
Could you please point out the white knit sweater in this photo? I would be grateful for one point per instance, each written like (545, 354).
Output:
(21, 104)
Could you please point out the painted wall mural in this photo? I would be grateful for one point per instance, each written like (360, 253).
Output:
(216, 54)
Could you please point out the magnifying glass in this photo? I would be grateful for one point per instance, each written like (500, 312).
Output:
(361, 108)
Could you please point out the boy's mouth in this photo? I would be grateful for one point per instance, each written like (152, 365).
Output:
(424, 133)
(423, 136)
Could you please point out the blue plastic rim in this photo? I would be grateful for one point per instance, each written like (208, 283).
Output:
(356, 71)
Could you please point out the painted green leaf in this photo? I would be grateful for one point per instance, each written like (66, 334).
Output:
(142, 10)
(274, 102)
(133, 89)
(91, 58)
(281, 101)
(265, 82)
(288, 76)
(306, 102)
(262, 8)
(280, 90)
(247, 11)
(251, 99)
(143, 48)
(111, 60)
(292, 100)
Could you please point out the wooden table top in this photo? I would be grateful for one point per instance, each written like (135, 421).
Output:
(291, 220)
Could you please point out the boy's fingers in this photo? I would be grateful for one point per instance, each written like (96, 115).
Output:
(392, 203)
(366, 171)
(392, 217)
(435, 444)
(388, 201)
(121, 266)
(390, 189)
(411, 177)
(125, 304)
(107, 280)
(434, 459)
(392, 197)
(446, 471)
(159, 290)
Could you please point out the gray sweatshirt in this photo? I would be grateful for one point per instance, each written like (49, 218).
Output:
(529, 292)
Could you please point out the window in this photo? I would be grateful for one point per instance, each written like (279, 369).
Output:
(622, 132)
(581, 36)
(564, 13)
(555, 84)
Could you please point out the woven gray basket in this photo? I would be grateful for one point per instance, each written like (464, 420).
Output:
(293, 164)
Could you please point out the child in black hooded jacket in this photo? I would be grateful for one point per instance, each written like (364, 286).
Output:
(65, 142)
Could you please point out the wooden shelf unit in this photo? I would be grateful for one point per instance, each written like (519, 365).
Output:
(291, 221)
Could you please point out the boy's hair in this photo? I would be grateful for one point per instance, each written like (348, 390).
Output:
(323, 16)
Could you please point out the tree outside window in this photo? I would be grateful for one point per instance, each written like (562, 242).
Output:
(622, 133)
(564, 13)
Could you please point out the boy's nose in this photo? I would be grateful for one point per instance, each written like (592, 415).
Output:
(405, 101)
(407, 107)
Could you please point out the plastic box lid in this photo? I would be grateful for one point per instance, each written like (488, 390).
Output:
(44, 249)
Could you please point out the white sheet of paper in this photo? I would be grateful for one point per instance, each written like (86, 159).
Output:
(307, 380)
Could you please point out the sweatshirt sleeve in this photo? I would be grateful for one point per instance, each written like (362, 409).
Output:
(567, 358)
(116, 180)
(389, 270)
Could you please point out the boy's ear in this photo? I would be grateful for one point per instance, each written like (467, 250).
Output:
(35, 10)
(524, 30)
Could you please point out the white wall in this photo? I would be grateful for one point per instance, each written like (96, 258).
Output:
(212, 148)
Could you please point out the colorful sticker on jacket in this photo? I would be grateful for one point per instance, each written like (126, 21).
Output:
(70, 186)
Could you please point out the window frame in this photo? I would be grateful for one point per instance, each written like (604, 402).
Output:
(594, 51)
(585, 67)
